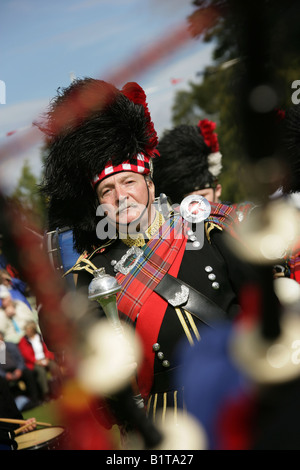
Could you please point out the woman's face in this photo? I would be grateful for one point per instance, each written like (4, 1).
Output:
(126, 196)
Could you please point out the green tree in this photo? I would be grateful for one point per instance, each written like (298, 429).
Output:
(216, 94)
(213, 98)
(27, 196)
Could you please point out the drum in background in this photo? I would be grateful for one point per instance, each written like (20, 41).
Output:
(52, 438)
(62, 254)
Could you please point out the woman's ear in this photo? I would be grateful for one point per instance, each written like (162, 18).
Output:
(151, 188)
(218, 191)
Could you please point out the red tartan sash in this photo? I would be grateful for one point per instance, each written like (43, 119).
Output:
(161, 255)
(148, 327)
(225, 217)
(294, 263)
(158, 256)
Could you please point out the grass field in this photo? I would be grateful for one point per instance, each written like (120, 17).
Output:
(47, 413)
(50, 413)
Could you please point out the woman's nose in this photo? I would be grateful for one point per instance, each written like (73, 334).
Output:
(120, 194)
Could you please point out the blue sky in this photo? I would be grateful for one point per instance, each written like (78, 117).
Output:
(44, 43)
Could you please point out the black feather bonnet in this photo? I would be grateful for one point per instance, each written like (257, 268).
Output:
(88, 124)
(190, 160)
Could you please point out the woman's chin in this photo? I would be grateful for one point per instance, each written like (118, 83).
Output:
(129, 217)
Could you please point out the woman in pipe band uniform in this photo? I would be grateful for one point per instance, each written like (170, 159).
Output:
(213, 271)
(105, 156)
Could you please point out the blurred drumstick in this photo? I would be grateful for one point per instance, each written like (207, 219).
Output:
(22, 421)
(23, 428)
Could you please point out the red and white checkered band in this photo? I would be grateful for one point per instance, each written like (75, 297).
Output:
(141, 166)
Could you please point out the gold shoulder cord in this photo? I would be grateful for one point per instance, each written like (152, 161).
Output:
(209, 226)
(162, 411)
(185, 325)
(82, 263)
(193, 325)
(85, 263)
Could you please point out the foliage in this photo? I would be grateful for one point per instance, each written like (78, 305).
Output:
(217, 95)
(28, 198)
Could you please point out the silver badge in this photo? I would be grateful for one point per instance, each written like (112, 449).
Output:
(133, 251)
(195, 208)
(180, 298)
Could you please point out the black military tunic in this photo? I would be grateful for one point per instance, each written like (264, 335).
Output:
(213, 271)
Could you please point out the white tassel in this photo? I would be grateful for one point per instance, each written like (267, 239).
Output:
(215, 163)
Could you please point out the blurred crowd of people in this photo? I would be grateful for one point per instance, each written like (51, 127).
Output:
(27, 365)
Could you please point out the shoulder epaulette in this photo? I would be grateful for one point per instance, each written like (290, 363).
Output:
(84, 261)
(209, 226)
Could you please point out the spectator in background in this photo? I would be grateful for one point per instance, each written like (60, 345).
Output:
(18, 289)
(14, 370)
(4, 264)
(14, 314)
(38, 358)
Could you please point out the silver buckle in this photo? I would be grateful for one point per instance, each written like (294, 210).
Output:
(119, 266)
(180, 297)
